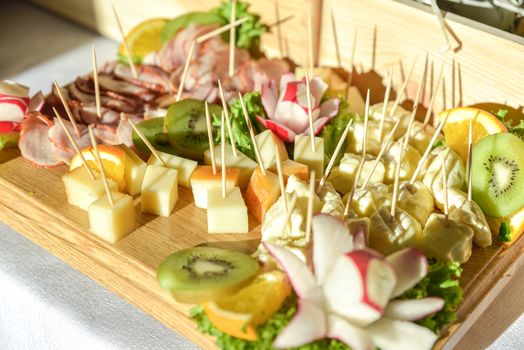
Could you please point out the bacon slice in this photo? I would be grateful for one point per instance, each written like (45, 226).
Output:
(34, 143)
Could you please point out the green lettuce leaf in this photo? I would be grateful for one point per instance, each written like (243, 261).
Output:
(241, 134)
(504, 232)
(333, 130)
(248, 33)
(441, 281)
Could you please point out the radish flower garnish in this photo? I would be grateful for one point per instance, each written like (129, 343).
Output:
(287, 108)
(348, 294)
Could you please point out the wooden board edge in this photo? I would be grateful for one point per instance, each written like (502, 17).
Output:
(161, 306)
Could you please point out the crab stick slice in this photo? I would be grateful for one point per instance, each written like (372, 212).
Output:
(159, 190)
(203, 180)
(261, 193)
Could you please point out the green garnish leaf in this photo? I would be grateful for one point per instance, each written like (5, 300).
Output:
(199, 18)
(504, 232)
(254, 107)
(439, 143)
(333, 130)
(248, 33)
(441, 281)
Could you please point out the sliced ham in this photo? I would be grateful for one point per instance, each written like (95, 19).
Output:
(110, 83)
(107, 134)
(34, 143)
(148, 76)
(61, 146)
(120, 104)
(124, 130)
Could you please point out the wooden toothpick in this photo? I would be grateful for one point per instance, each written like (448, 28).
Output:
(352, 60)
(97, 87)
(278, 161)
(66, 107)
(73, 142)
(220, 30)
(310, 42)
(403, 87)
(252, 135)
(100, 166)
(127, 49)
(225, 108)
(366, 121)
(396, 182)
(335, 154)
(210, 139)
(232, 39)
(279, 30)
(335, 39)
(428, 149)
(383, 150)
(433, 96)
(223, 155)
(310, 115)
(445, 188)
(145, 140)
(310, 198)
(384, 106)
(184, 71)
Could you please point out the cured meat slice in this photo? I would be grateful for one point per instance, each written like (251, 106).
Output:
(148, 76)
(60, 144)
(34, 143)
(124, 131)
(107, 134)
(110, 83)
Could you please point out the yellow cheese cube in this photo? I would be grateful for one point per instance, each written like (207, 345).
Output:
(203, 179)
(159, 190)
(226, 214)
(112, 222)
(266, 142)
(82, 190)
(245, 164)
(262, 192)
(135, 169)
(183, 166)
(305, 155)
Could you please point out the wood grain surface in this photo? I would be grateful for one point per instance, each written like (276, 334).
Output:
(34, 203)
(97, 15)
(485, 67)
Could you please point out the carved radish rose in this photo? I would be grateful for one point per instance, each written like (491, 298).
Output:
(287, 107)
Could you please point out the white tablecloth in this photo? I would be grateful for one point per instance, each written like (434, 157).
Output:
(44, 303)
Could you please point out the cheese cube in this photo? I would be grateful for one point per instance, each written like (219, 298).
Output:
(226, 214)
(82, 190)
(356, 103)
(266, 142)
(337, 85)
(203, 179)
(305, 155)
(245, 164)
(159, 190)
(112, 222)
(183, 166)
(135, 169)
(262, 192)
(290, 167)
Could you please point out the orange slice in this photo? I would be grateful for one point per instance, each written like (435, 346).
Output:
(240, 314)
(144, 38)
(113, 159)
(456, 128)
(515, 223)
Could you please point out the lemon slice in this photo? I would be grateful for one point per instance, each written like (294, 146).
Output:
(240, 314)
(143, 39)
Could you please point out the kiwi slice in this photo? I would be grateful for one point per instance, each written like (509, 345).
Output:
(153, 130)
(498, 174)
(201, 274)
(187, 129)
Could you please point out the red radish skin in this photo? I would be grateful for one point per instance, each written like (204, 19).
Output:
(9, 127)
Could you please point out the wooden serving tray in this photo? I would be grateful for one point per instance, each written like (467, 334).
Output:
(34, 203)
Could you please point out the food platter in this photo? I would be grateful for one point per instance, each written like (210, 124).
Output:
(34, 202)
